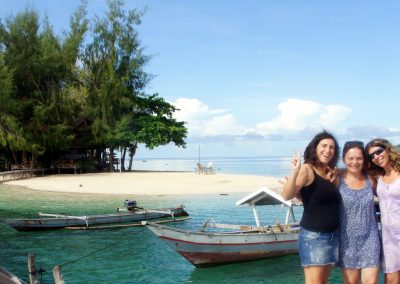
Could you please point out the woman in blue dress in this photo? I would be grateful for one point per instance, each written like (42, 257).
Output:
(359, 246)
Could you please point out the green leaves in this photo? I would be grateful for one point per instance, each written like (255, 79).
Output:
(47, 83)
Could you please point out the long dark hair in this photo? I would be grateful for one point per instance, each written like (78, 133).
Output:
(310, 154)
(393, 153)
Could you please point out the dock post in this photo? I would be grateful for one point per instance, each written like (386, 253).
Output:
(32, 269)
(58, 277)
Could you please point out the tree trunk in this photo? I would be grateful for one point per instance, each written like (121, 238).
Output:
(123, 154)
(33, 165)
(111, 159)
(132, 152)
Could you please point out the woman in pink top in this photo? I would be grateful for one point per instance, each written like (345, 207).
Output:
(384, 164)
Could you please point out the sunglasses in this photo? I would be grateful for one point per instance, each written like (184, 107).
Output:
(376, 152)
(355, 143)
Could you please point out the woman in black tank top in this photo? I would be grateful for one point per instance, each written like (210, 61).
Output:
(312, 182)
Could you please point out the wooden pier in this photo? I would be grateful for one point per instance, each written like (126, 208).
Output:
(20, 174)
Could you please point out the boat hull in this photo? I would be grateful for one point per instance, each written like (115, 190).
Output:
(90, 221)
(209, 249)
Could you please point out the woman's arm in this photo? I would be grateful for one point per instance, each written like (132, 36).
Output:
(374, 183)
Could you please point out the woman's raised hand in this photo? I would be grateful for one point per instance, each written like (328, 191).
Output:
(295, 163)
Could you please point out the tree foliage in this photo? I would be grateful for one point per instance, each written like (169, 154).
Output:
(50, 82)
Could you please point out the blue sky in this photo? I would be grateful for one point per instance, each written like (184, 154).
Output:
(261, 77)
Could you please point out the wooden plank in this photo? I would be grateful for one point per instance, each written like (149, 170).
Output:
(58, 277)
(32, 269)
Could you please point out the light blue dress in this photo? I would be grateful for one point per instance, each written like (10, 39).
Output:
(359, 245)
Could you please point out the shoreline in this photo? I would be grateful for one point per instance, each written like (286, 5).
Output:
(149, 183)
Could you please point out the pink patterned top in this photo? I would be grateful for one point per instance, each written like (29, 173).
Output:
(389, 203)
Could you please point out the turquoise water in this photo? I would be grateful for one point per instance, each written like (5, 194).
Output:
(129, 255)
(268, 166)
(134, 255)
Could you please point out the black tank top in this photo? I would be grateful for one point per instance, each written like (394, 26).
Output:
(321, 201)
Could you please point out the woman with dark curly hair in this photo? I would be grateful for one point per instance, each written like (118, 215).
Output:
(384, 164)
(319, 237)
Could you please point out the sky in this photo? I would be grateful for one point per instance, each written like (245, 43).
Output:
(262, 77)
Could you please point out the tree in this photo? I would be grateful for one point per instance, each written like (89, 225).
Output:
(120, 111)
(48, 83)
(11, 133)
(153, 125)
(43, 66)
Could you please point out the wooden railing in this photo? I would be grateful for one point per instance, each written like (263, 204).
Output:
(68, 164)
(20, 174)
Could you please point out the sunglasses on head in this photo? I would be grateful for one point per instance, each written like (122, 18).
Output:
(376, 152)
(355, 143)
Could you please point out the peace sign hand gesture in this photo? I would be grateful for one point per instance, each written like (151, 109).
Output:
(295, 163)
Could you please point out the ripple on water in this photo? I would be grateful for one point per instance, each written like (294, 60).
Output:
(129, 255)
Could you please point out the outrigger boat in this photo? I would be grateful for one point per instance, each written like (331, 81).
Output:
(245, 243)
(131, 215)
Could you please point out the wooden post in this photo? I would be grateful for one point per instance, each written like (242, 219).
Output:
(199, 155)
(256, 216)
(32, 269)
(58, 277)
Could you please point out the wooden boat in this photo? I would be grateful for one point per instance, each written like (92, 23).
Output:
(127, 216)
(7, 277)
(245, 243)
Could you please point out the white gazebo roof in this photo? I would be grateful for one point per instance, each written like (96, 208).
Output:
(263, 196)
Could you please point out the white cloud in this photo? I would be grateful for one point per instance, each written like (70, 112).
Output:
(203, 121)
(295, 116)
(190, 109)
(225, 124)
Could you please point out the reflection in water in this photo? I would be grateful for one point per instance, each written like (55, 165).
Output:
(285, 269)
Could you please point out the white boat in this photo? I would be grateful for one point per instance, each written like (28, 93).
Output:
(244, 243)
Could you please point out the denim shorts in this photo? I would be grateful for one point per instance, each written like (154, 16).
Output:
(318, 248)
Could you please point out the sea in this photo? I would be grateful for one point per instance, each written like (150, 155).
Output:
(134, 254)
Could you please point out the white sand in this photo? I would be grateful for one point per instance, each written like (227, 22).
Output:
(150, 183)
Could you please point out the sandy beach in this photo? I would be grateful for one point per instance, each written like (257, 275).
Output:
(149, 183)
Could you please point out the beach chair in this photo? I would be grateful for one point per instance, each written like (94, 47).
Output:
(200, 169)
(210, 170)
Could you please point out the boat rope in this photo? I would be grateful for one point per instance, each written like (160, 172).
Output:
(120, 241)
(272, 231)
(39, 271)
(205, 224)
(99, 250)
